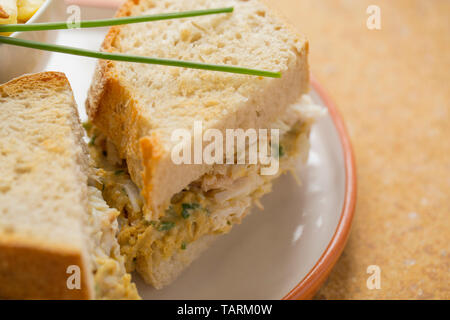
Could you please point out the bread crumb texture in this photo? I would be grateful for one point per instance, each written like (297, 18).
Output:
(42, 161)
(42, 189)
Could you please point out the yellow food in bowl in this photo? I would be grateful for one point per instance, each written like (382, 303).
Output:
(8, 11)
(27, 8)
(18, 11)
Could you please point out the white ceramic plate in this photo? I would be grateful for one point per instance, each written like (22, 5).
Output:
(285, 251)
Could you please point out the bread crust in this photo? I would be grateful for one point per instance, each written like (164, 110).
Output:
(38, 270)
(43, 80)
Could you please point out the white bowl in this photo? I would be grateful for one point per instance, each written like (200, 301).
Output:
(16, 61)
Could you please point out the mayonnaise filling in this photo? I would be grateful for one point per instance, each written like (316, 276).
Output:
(110, 277)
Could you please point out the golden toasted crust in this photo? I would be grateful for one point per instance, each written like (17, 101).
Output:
(151, 154)
(111, 104)
(43, 80)
(104, 72)
(33, 270)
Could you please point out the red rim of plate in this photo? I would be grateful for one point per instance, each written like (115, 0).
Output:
(312, 282)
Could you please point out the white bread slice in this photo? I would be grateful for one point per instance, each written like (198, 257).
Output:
(44, 207)
(43, 190)
(138, 106)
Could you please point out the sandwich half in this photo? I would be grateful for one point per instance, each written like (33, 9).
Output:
(57, 235)
(171, 212)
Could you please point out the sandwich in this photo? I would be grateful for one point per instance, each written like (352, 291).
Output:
(171, 211)
(57, 234)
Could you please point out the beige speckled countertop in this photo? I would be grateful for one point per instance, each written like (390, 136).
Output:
(392, 87)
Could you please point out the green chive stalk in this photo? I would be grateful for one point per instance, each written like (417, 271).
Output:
(110, 22)
(136, 59)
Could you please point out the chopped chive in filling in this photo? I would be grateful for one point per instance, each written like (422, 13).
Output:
(187, 207)
(171, 211)
(166, 226)
(92, 141)
(87, 126)
(281, 151)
